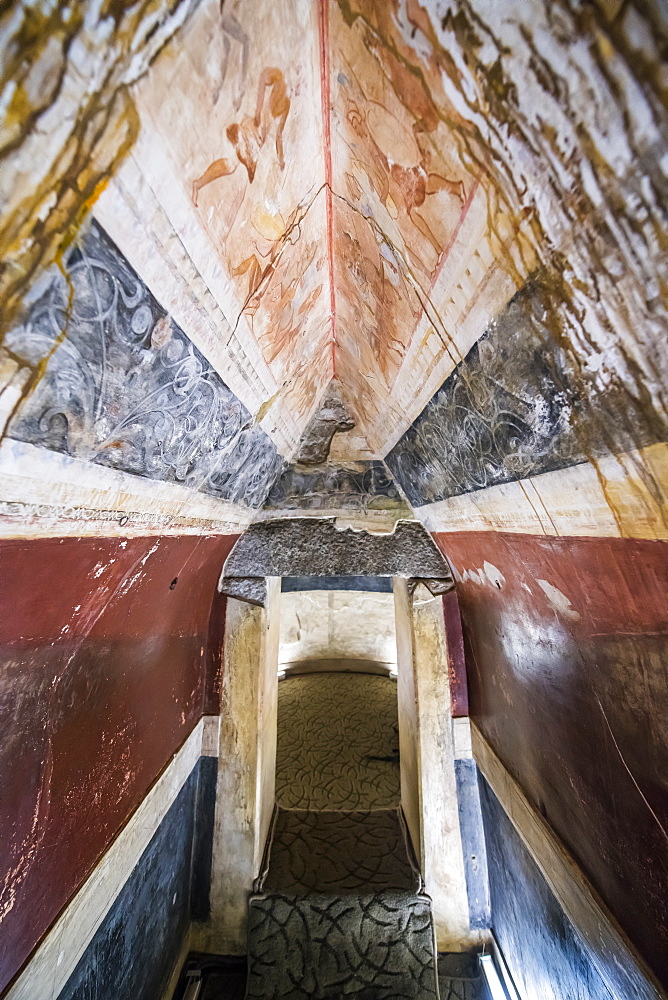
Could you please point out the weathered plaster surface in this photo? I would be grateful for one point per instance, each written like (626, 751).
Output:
(566, 651)
(247, 767)
(47, 493)
(67, 941)
(67, 120)
(104, 669)
(476, 142)
(570, 943)
(326, 624)
(517, 406)
(222, 137)
(452, 157)
(124, 388)
(618, 496)
(428, 784)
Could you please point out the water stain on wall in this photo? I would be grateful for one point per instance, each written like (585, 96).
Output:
(557, 115)
(68, 119)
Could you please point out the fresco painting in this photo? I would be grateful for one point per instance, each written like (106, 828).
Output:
(402, 173)
(124, 388)
(368, 261)
(455, 138)
(492, 422)
(226, 127)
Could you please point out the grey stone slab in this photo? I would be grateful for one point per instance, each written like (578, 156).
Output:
(252, 589)
(315, 547)
(342, 853)
(372, 947)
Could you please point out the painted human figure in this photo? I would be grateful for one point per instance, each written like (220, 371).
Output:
(249, 135)
(409, 183)
(279, 107)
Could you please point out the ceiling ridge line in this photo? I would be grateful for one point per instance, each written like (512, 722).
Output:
(326, 112)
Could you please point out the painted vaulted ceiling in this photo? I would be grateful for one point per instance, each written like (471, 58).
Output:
(444, 218)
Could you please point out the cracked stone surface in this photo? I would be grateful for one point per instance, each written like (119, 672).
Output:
(375, 947)
(339, 852)
(339, 911)
(458, 979)
(302, 546)
(337, 742)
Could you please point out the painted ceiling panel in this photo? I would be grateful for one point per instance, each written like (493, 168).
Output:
(422, 261)
(365, 193)
(226, 115)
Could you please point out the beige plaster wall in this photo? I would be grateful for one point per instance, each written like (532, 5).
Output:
(331, 624)
(427, 754)
(246, 768)
(408, 715)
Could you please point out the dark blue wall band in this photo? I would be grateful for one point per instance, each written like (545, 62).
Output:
(376, 584)
(473, 843)
(202, 855)
(134, 949)
(539, 943)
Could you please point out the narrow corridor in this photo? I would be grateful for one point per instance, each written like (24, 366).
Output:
(340, 908)
(333, 499)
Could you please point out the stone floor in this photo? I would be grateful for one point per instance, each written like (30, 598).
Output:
(339, 852)
(340, 910)
(458, 979)
(338, 742)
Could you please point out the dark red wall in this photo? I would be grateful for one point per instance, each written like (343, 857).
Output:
(573, 696)
(104, 671)
(459, 696)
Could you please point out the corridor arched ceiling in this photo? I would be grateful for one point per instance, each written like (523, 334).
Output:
(444, 219)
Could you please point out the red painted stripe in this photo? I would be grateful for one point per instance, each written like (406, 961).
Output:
(459, 695)
(325, 101)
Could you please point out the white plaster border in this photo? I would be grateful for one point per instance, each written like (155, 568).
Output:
(610, 498)
(618, 963)
(45, 493)
(56, 958)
